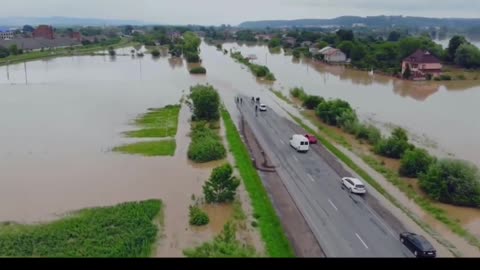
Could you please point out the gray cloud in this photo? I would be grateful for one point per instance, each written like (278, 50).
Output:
(234, 12)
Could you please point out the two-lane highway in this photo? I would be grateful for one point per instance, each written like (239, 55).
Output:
(343, 223)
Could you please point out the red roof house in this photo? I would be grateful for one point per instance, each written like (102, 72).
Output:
(422, 63)
(43, 31)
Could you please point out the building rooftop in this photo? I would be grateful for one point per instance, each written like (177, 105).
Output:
(421, 56)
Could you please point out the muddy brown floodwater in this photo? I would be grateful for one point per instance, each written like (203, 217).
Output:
(57, 130)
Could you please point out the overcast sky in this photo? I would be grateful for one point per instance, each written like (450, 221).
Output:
(208, 12)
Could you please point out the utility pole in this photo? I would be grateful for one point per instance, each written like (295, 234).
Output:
(25, 67)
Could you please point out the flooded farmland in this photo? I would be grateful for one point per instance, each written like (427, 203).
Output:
(60, 118)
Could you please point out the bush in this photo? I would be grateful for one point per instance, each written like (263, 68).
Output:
(155, 53)
(415, 162)
(452, 181)
(192, 57)
(461, 77)
(197, 216)
(312, 102)
(369, 133)
(335, 112)
(222, 186)
(348, 121)
(270, 77)
(198, 70)
(223, 245)
(259, 71)
(395, 146)
(206, 145)
(445, 77)
(206, 102)
(298, 92)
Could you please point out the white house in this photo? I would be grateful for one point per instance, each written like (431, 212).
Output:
(332, 55)
(6, 34)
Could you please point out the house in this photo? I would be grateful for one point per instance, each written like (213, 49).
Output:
(76, 36)
(174, 36)
(43, 31)
(289, 41)
(261, 37)
(332, 55)
(306, 44)
(6, 33)
(313, 50)
(38, 44)
(422, 64)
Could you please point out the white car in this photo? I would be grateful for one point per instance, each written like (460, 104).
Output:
(354, 185)
(263, 107)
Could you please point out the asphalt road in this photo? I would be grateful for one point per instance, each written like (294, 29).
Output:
(343, 223)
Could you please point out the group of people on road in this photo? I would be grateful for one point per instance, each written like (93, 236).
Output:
(238, 100)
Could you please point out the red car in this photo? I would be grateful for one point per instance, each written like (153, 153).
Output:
(311, 139)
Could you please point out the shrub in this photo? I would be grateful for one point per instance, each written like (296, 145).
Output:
(348, 121)
(259, 71)
(206, 102)
(298, 92)
(335, 112)
(198, 70)
(415, 162)
(222, 186)
(206, 145)
(312, 102)
(197, 216)
(445, 77)
(223, 245)
(395, 146)
(192, 57)
(270, 77)
(369, 133)
(155, 53)
(452, 181)
(461, 77)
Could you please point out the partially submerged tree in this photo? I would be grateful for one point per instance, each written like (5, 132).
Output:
(222, 186)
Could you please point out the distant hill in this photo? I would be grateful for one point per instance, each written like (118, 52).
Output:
(64, 21)
(373, 21)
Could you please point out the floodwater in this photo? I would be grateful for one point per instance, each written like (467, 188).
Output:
(442, 116)
(58, 124)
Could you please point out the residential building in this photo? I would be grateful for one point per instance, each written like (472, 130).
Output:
(43, 31)
(290, 41)
(332, 55)
(262, 37)
(6, 33)
(422, 64)
(306, 44)
(76, 36)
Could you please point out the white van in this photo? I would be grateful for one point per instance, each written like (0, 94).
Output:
(300, 143)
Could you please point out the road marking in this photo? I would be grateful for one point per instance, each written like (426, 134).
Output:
(311, 178)
(359, 238)
(333, 205)
(296, 159)
(383, 223)
(282, 141)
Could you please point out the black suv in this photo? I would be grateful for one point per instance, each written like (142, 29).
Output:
(418, 245)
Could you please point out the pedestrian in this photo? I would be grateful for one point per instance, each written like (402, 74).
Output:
(253, 99)
(241, 100)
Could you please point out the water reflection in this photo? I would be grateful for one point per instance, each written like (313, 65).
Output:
(175, 62)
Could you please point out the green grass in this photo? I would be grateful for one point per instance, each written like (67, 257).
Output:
(273, 235)
(258, 70)
(124, 230)
(390, 175)
(149, 149)
(157, 123)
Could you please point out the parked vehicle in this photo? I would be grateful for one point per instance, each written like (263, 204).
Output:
(354, 185)
(311, 139)
(418, 245)
(300, 143)
(263, 107)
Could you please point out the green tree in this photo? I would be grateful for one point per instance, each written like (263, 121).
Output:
(453, 45)
(274, 42)
(312, 102)
(334, 110)
(468, 56)
(346, 47)
(321, 44)
(394, 36)
(206, 102)
(222, 186)
(13, 49)
(415, 162)
(452, 181)
(191, 42)
(28, 28)
(343, 35)
(358, 52)
(4, 52)
(197, 216)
